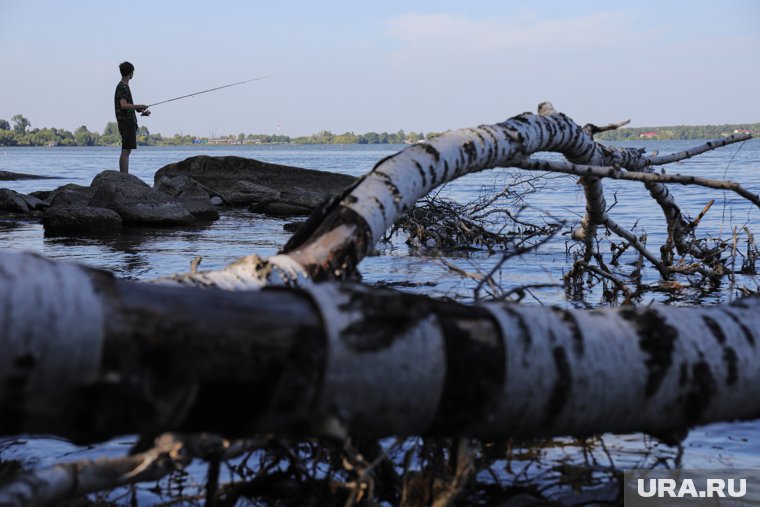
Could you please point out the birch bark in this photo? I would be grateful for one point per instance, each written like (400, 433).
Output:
(346, 359)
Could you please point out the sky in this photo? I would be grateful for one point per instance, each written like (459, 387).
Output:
(380, 66)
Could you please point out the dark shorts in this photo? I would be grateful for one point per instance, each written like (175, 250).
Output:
(128, 133)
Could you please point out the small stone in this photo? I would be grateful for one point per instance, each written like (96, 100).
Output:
(293, 226)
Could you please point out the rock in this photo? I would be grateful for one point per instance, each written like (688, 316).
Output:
(298, 196)
(8, 176)
(217, 201)
(136, 202)
(69, 195)
(181, 186)
(293, 226)
(12, 201)
(245, 192)
(280, 209)
(117, 178)
(191, 194)
(33, 202)
(41, 194)
(66, 219)
(294, 187)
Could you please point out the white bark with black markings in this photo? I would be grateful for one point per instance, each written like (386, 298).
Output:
(87, 356)
(338, 237)
(52, 333)
(353, 360)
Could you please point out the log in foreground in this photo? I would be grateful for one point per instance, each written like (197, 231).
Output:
(88, 356)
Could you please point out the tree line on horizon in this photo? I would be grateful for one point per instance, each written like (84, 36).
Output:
(21, 134)
(679, 132)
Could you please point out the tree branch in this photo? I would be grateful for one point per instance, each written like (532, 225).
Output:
(616, 173)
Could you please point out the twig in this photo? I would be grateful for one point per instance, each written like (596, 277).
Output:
(694, 223)
(462, 474)
(620, 284)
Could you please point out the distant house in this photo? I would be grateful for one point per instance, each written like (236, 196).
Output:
(648, 135)
(742, 131)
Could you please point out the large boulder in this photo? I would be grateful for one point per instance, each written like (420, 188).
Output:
(299, 196)
(136, 202)
(245, 181)
(245, 192)
(68, 219)
(191, 194)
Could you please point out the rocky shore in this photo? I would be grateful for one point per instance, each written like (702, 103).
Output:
(183, 193)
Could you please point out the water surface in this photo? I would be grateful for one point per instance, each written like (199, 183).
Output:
(149, 253)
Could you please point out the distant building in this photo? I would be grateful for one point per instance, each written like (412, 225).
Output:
(648, 135)
(742, 131)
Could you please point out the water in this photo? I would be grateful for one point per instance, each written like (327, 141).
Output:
(149, 253)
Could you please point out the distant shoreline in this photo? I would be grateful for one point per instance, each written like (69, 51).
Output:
(680, 132)
(20, 135)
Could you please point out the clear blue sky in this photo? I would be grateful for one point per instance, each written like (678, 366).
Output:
(385, 65)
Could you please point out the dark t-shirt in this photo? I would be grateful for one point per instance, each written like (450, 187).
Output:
(123, 92)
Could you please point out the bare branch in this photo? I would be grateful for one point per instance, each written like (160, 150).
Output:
(592, 129)
(67, 481)
(708, 146)
(617, 173)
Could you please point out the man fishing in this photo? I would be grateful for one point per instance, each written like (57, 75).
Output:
(125, 110)
(125, 115)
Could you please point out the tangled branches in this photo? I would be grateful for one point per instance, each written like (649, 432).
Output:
(491, 222)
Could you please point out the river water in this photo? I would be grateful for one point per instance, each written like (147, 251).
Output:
(149, 253)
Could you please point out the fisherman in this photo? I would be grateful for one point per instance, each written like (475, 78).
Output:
(125, 115)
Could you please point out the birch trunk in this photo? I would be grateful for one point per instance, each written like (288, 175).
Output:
(337, 360)
(338, 237)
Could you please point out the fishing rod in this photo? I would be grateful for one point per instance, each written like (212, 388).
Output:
(209, 90)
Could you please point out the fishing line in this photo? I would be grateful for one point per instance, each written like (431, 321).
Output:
(209, 90)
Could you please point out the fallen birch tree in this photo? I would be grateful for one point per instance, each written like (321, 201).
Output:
(87, 356)
(340, 234)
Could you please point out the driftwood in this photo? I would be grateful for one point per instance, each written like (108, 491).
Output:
(347, 360)
(338, 236)
(87, 356)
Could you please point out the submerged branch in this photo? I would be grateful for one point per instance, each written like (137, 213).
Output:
(56, 484)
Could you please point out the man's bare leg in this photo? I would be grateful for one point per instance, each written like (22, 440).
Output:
(124, 161)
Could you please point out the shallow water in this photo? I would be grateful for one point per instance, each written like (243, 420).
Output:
(149, 253)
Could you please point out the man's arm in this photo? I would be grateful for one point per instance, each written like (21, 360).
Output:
(123, 104)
